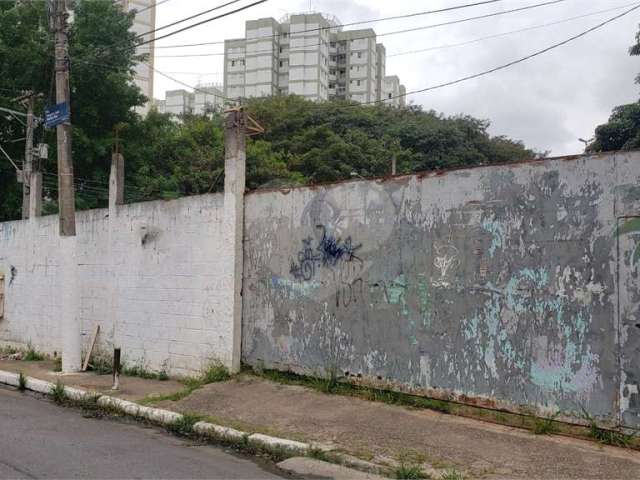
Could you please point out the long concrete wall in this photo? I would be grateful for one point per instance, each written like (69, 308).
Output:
(155, 278)
(514, 286)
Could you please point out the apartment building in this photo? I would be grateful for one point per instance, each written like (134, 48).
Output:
(205, 99)
(144, 21)
(307, 55)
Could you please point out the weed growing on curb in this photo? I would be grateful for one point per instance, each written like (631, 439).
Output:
(32, 355)
(452, 474)
(318, 454)
(57, 393)
(183, 427)
(409, 472)
(22, 382)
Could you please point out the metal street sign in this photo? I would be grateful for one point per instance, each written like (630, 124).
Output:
(56, 115)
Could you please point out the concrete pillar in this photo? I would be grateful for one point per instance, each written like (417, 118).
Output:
(116, 181)
(70, 311)
(116, 197)
(233, 224)
(35, 195)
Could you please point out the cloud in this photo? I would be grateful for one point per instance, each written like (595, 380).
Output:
(547, 102)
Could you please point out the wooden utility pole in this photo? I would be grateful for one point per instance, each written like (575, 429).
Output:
(66, 194)
(27, 168)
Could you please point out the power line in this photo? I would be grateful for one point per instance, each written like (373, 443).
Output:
(188, 18)
(406, 30)
(226, 14)
(504, 34)
(152, 6)
(351, 24)
(507, 65)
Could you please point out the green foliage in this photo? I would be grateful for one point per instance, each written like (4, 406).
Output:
(57, 364)
(622, 131)
(102, 91)
(22, 382)
(617, 438)
(57, 393)
(32, 355)
(545, 426)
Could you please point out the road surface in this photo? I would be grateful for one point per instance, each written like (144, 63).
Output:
(41, 440)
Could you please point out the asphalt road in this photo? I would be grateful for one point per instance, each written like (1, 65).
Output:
(41, 440)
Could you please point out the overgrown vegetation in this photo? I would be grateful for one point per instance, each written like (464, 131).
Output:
(362, 391)
(616, 438)
(57, 393)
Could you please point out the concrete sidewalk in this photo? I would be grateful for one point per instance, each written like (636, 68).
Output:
(384, 433)
(372, 431)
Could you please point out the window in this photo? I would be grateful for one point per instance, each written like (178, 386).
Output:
(285, 35)
(358, 83)
(281, 49)
(359, 54)
(1, 295)
(281, 63)
(390, 96)
(233, 63)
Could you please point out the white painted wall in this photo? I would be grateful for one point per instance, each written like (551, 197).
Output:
(160, 301)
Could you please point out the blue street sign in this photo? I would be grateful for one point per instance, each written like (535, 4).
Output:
(56, 115)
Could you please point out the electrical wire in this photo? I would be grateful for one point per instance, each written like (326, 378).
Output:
(222, 15)
(511, 32)
(395, 32)
(154, 5)
(351, 24)
(509, 64)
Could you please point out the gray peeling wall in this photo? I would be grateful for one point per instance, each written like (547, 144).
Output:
(495, 285)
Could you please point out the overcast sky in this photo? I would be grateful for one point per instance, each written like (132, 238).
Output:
(548, 102)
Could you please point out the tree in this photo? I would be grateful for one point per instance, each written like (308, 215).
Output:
(622, 131)
(102, 51)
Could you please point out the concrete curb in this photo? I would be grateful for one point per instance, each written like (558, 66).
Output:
(163, 417)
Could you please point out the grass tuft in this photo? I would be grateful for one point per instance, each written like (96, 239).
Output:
(22, 382)
(616, 438)
(318, 454)
(409, 472)
(57, 393)
(545, 426)
(452, 474)
(184, 425)
(32, 355)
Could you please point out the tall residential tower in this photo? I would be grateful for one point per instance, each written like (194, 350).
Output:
(308, 55)
(145, 21)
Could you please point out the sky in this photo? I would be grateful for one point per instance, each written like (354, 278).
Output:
(548, 102)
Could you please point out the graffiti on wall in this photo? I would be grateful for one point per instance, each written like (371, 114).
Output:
(329, 252)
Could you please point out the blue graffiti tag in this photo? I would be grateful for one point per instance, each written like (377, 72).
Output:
(328, 253)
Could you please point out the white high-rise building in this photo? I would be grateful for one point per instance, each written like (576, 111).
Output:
(145, 21)
(204, 100)
(308, 55)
